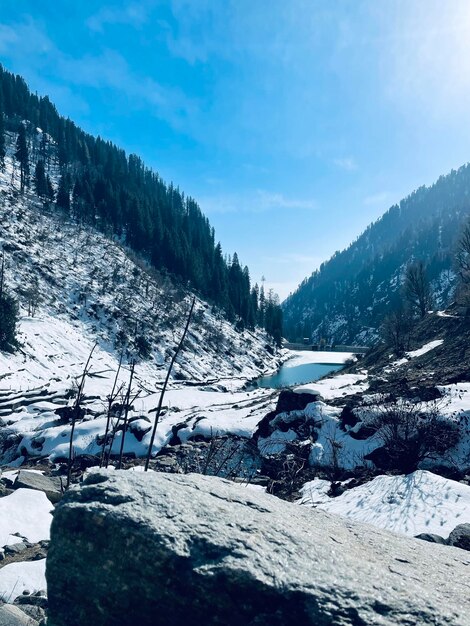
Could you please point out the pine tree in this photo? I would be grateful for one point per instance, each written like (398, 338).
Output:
(50, 194)
(63, 193)
(8, 314)
(40, 181)
(2, 138)
(22, 157)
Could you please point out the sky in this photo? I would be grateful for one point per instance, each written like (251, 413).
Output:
(294, 124)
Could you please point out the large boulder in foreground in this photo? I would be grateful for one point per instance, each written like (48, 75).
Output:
(170, 549)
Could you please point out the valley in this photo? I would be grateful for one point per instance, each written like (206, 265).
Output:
(102, 265)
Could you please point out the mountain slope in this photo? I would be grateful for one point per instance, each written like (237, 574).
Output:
(98, 185)
(77, 287)
(346, 299)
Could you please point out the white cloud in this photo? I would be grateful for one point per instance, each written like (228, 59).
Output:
(135, 14)
(379, 198)
(346, 163)
(268, 200)
(26, 42)
(257, 201)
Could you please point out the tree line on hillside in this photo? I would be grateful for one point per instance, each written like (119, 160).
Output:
(347, 298)
(100, 185)
(418, 297)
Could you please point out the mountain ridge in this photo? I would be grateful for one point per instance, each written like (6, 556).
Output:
(347, 298)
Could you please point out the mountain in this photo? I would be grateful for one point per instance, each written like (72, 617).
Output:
(101, 257)
(346, 300)
(98, 185)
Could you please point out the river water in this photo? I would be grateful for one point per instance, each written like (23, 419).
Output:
(289, 375)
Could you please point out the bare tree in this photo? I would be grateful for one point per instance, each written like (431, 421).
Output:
(417, 289)
(111, 398)
(411, 431)
(127, 403)
(160, 402)
(396, 330)
(463, 266)
(76, 411)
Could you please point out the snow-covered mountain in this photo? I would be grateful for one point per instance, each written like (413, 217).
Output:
(346, 300)
(76, 288)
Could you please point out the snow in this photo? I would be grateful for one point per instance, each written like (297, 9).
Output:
(445, 314)
(426, 348)
(16, 578)
(333, 444)
(276, 442)
(90, 291)
(337, 386)
(420, 502)
(310, 356)
(412, 354)
(27, 513)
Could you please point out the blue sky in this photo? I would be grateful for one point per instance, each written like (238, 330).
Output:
(293, 123)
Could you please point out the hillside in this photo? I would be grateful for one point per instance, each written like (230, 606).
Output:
(347, 298)
(98, 185)
(79, 287)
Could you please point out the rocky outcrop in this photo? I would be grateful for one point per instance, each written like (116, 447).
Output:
(288, 414)
(11, 615)
(151, 549)
(51, 486)
(460, 537)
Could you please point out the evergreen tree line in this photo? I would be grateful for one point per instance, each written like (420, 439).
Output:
(100, 185)
(353, 291)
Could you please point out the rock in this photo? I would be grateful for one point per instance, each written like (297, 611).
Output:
(11, 615)
(431, 538)
(381, 458)
(348, 417)
(35, 612)
(460, 537)
(149, 548)
(34, 599)
(15, 548)
(166, 464)
(288, 402)
(51, 486)
(139, 427)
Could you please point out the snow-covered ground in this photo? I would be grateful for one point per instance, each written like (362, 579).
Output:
(412, 354)
(337, 386)
(311, 356)
(36, 382)
(420, 502)
(76, 288)
(24, 514)
(15, 578)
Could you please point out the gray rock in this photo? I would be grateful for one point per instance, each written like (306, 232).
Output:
(34, 600)
(15, 548)
(35, 612)
(432, 538)
(460, 537)
(51, 486)
(11, 615)
(175, 549)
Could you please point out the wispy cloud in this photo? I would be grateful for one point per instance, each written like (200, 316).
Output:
(346, 163)
(23, 38)
(135, 14)
(378, 198)
(424, 56)
(26, 41)
(257, 201)
(268, 200)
